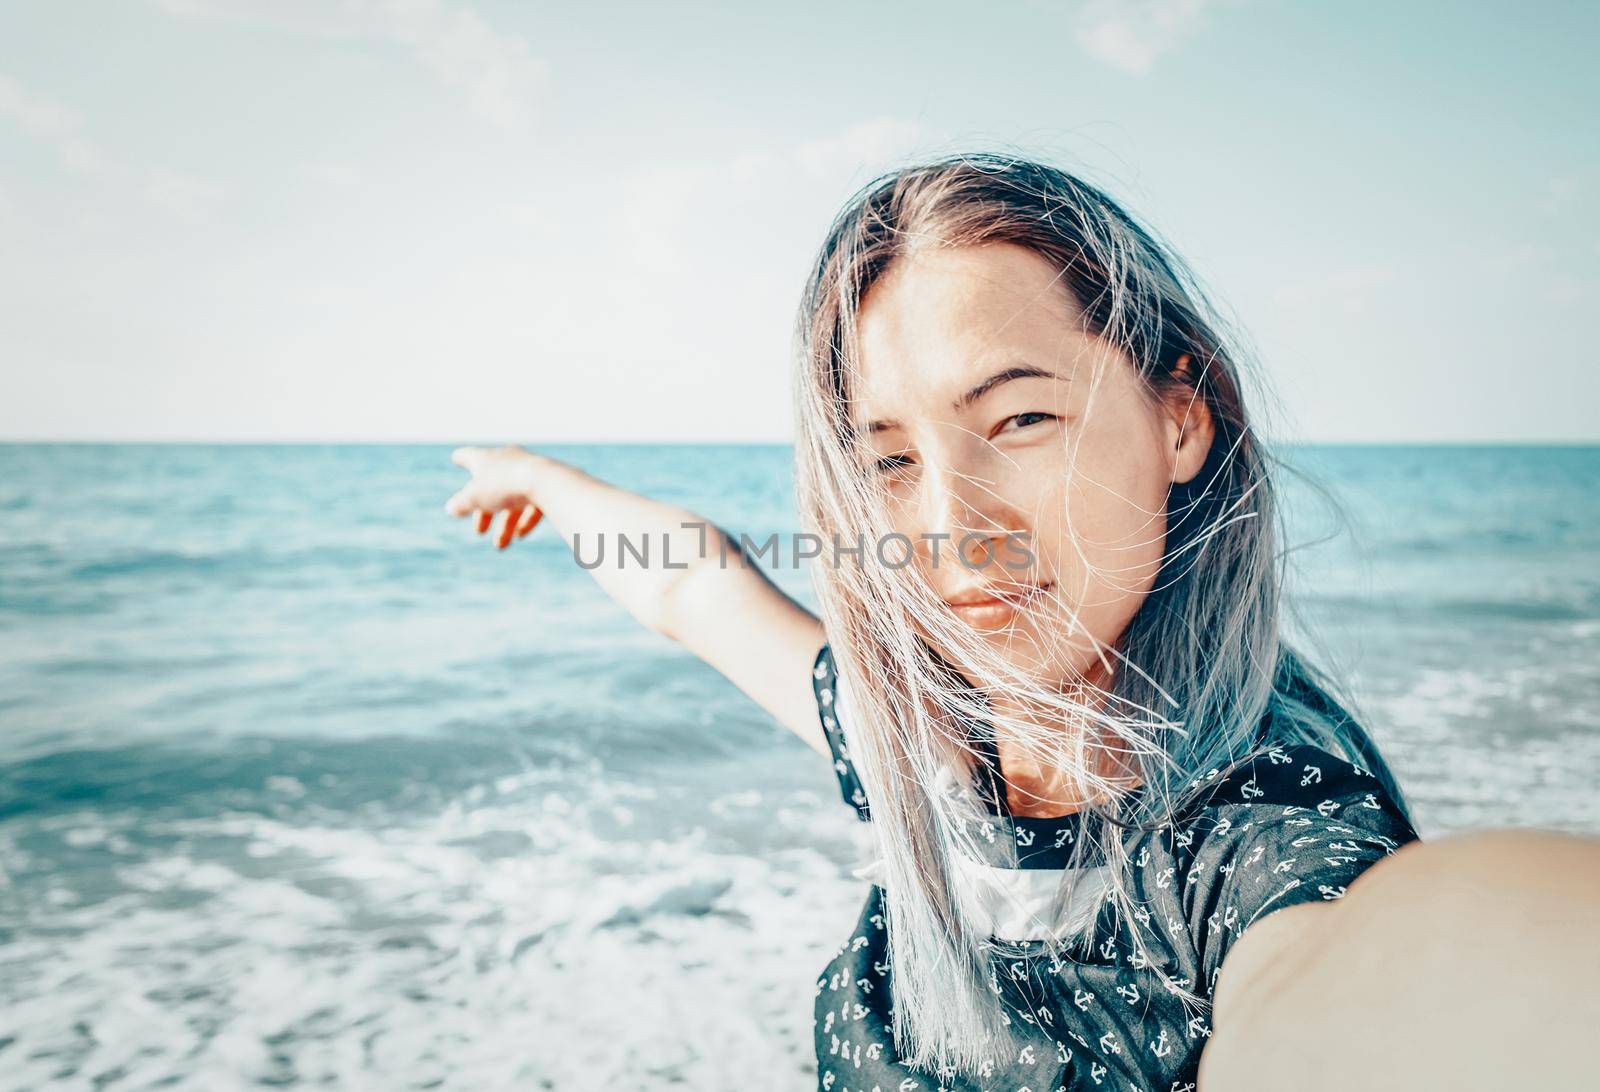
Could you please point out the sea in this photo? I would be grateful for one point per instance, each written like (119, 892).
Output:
(304, 784)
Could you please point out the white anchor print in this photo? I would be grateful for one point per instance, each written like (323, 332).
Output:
(1161, 1048)
(1285, 864)
(1164, 877)
(1109, 1044)
(1313, 774)
(1129, 993)
(1097, 1072)
(1330, 892)
(1063, 836)
(1250, 790)
(1328, 807)
(1277, 757)
(1024, 837)
(1198, 1028)
(1081, 998)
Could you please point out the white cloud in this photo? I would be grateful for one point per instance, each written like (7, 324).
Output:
(496, 72)
(40, 116)
(1351, 290)
(1562, 193)
(181, 194)
(669, 210)
(1131, 35)
(340, 176)
(50, 121)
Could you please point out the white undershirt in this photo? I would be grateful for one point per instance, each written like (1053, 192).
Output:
(1011, 903)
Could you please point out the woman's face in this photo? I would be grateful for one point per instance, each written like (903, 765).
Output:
(997, 421)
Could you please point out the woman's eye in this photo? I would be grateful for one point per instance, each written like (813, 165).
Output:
(1023, 420)
(892, 463)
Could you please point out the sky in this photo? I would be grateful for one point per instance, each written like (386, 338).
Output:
(490, 222)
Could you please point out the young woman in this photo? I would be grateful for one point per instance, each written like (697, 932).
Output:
(1049, 673)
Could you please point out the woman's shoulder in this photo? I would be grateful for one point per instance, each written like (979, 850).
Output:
(1291, 775)
(1286, 799)
(1292, 823)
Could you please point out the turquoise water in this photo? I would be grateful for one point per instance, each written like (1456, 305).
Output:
(302, 782)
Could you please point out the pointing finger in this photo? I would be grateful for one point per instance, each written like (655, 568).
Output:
(484, 519)
(508, 528)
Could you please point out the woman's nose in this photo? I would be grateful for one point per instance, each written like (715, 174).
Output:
(962, 517)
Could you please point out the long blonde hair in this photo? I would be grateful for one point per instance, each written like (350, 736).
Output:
(1200, 669)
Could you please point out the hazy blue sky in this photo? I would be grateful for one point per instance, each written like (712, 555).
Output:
(489, 221)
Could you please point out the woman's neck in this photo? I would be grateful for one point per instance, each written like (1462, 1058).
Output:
(1037, 788)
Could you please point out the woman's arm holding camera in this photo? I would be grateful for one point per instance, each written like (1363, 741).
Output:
(697, 588)
(1467, 963)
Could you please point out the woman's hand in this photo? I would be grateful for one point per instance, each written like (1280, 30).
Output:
(500, 482)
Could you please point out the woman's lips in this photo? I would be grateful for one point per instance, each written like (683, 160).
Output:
(998, 611)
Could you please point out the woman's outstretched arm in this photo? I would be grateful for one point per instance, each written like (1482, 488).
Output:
(697, 586)
(1468, 963)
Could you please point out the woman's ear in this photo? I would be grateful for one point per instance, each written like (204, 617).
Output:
(1190, 429)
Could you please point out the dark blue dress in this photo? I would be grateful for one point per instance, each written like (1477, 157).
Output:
(1296, 824)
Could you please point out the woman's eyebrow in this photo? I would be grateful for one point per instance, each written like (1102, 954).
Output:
(1005, 375)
